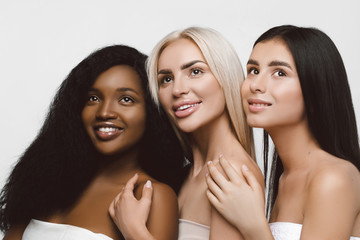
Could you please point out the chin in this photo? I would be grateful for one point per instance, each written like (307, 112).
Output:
(187, 128)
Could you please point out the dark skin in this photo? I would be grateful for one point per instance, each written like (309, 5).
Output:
(114, 118)
(98, 197)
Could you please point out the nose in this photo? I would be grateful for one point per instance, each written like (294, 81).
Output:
(258, 84)
(105, 111)
(180, 86)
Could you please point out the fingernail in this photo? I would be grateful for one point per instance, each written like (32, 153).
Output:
(221, 155)
(245, 167)
(208, 163)
(148, 184)
(207, 174)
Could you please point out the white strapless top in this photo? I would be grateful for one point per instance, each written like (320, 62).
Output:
(289, 231)
(189, 230)
(40, 230)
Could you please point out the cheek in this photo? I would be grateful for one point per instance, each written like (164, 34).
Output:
(139, 121)
(293, 105)
(86, 116)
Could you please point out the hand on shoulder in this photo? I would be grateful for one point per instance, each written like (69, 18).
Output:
(149, 212)
(239, 197)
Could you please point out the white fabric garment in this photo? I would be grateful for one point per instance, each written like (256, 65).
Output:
(289, 231)
(40, 230)
(189, 230)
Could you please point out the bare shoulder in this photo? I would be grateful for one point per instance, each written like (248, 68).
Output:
(163, 217)
(15, 233)
(161, 191)
(244, 159)
(336, 177)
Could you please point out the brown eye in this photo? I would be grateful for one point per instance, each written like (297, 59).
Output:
(280, 73)
(126, 100)
(196, 71)
(253, 71)
(93, 98)
(166, 79)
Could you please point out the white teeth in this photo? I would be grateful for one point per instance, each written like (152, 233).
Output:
(259, 104)
(107, 129)
(183, 107)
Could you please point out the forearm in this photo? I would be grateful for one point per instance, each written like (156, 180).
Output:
(260, 230)
(141, 234)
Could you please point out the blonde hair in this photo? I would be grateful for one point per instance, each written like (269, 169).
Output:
(224, 64)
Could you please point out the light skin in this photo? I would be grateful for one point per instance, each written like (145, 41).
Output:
(194, 101)
(316, 189)
(114, 118)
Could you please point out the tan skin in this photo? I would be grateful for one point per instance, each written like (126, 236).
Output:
(208, 126)
(116, 100)
(185, 79)
(316, 189)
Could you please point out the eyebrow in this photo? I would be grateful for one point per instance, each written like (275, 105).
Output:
(271, 64)
(118, 90)
(182, 67)
(187, 65)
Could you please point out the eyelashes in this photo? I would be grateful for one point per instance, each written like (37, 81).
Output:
(167, 78)
(92, 99)
(278, 72)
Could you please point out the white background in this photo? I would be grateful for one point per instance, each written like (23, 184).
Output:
(41, 41)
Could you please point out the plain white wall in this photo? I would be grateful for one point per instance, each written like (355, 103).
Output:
(41, 41)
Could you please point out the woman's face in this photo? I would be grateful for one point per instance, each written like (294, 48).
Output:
(188, 91)
(114, 115)
(271, 92)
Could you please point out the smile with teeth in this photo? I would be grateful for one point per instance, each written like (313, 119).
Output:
(108, 133)
(108, 129)
(183, 107)
(260, 104)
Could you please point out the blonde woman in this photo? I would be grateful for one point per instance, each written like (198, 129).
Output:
(195, 76)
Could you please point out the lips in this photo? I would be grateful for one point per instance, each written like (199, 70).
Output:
(106, 131)
(258, 105)
(185, 108)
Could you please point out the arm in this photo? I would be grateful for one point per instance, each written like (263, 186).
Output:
(146, 218)
(240, 199)
(332, 204)
(163, 221)
(220, 227)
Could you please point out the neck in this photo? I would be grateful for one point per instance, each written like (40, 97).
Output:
(209, 141)
(119, 168)
(294, 144)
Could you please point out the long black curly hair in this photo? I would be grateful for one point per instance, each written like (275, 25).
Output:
(60, 163)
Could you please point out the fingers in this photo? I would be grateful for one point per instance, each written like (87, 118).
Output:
(213, 200)
(112, 209)
(147, 192)
(250, 178)
(213, 187)
(131, 183)
(229, 170)
(113, 204)
(214, 173)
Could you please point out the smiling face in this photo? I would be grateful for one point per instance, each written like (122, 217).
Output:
(188, 91)
(114, 115)
(271, 92)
